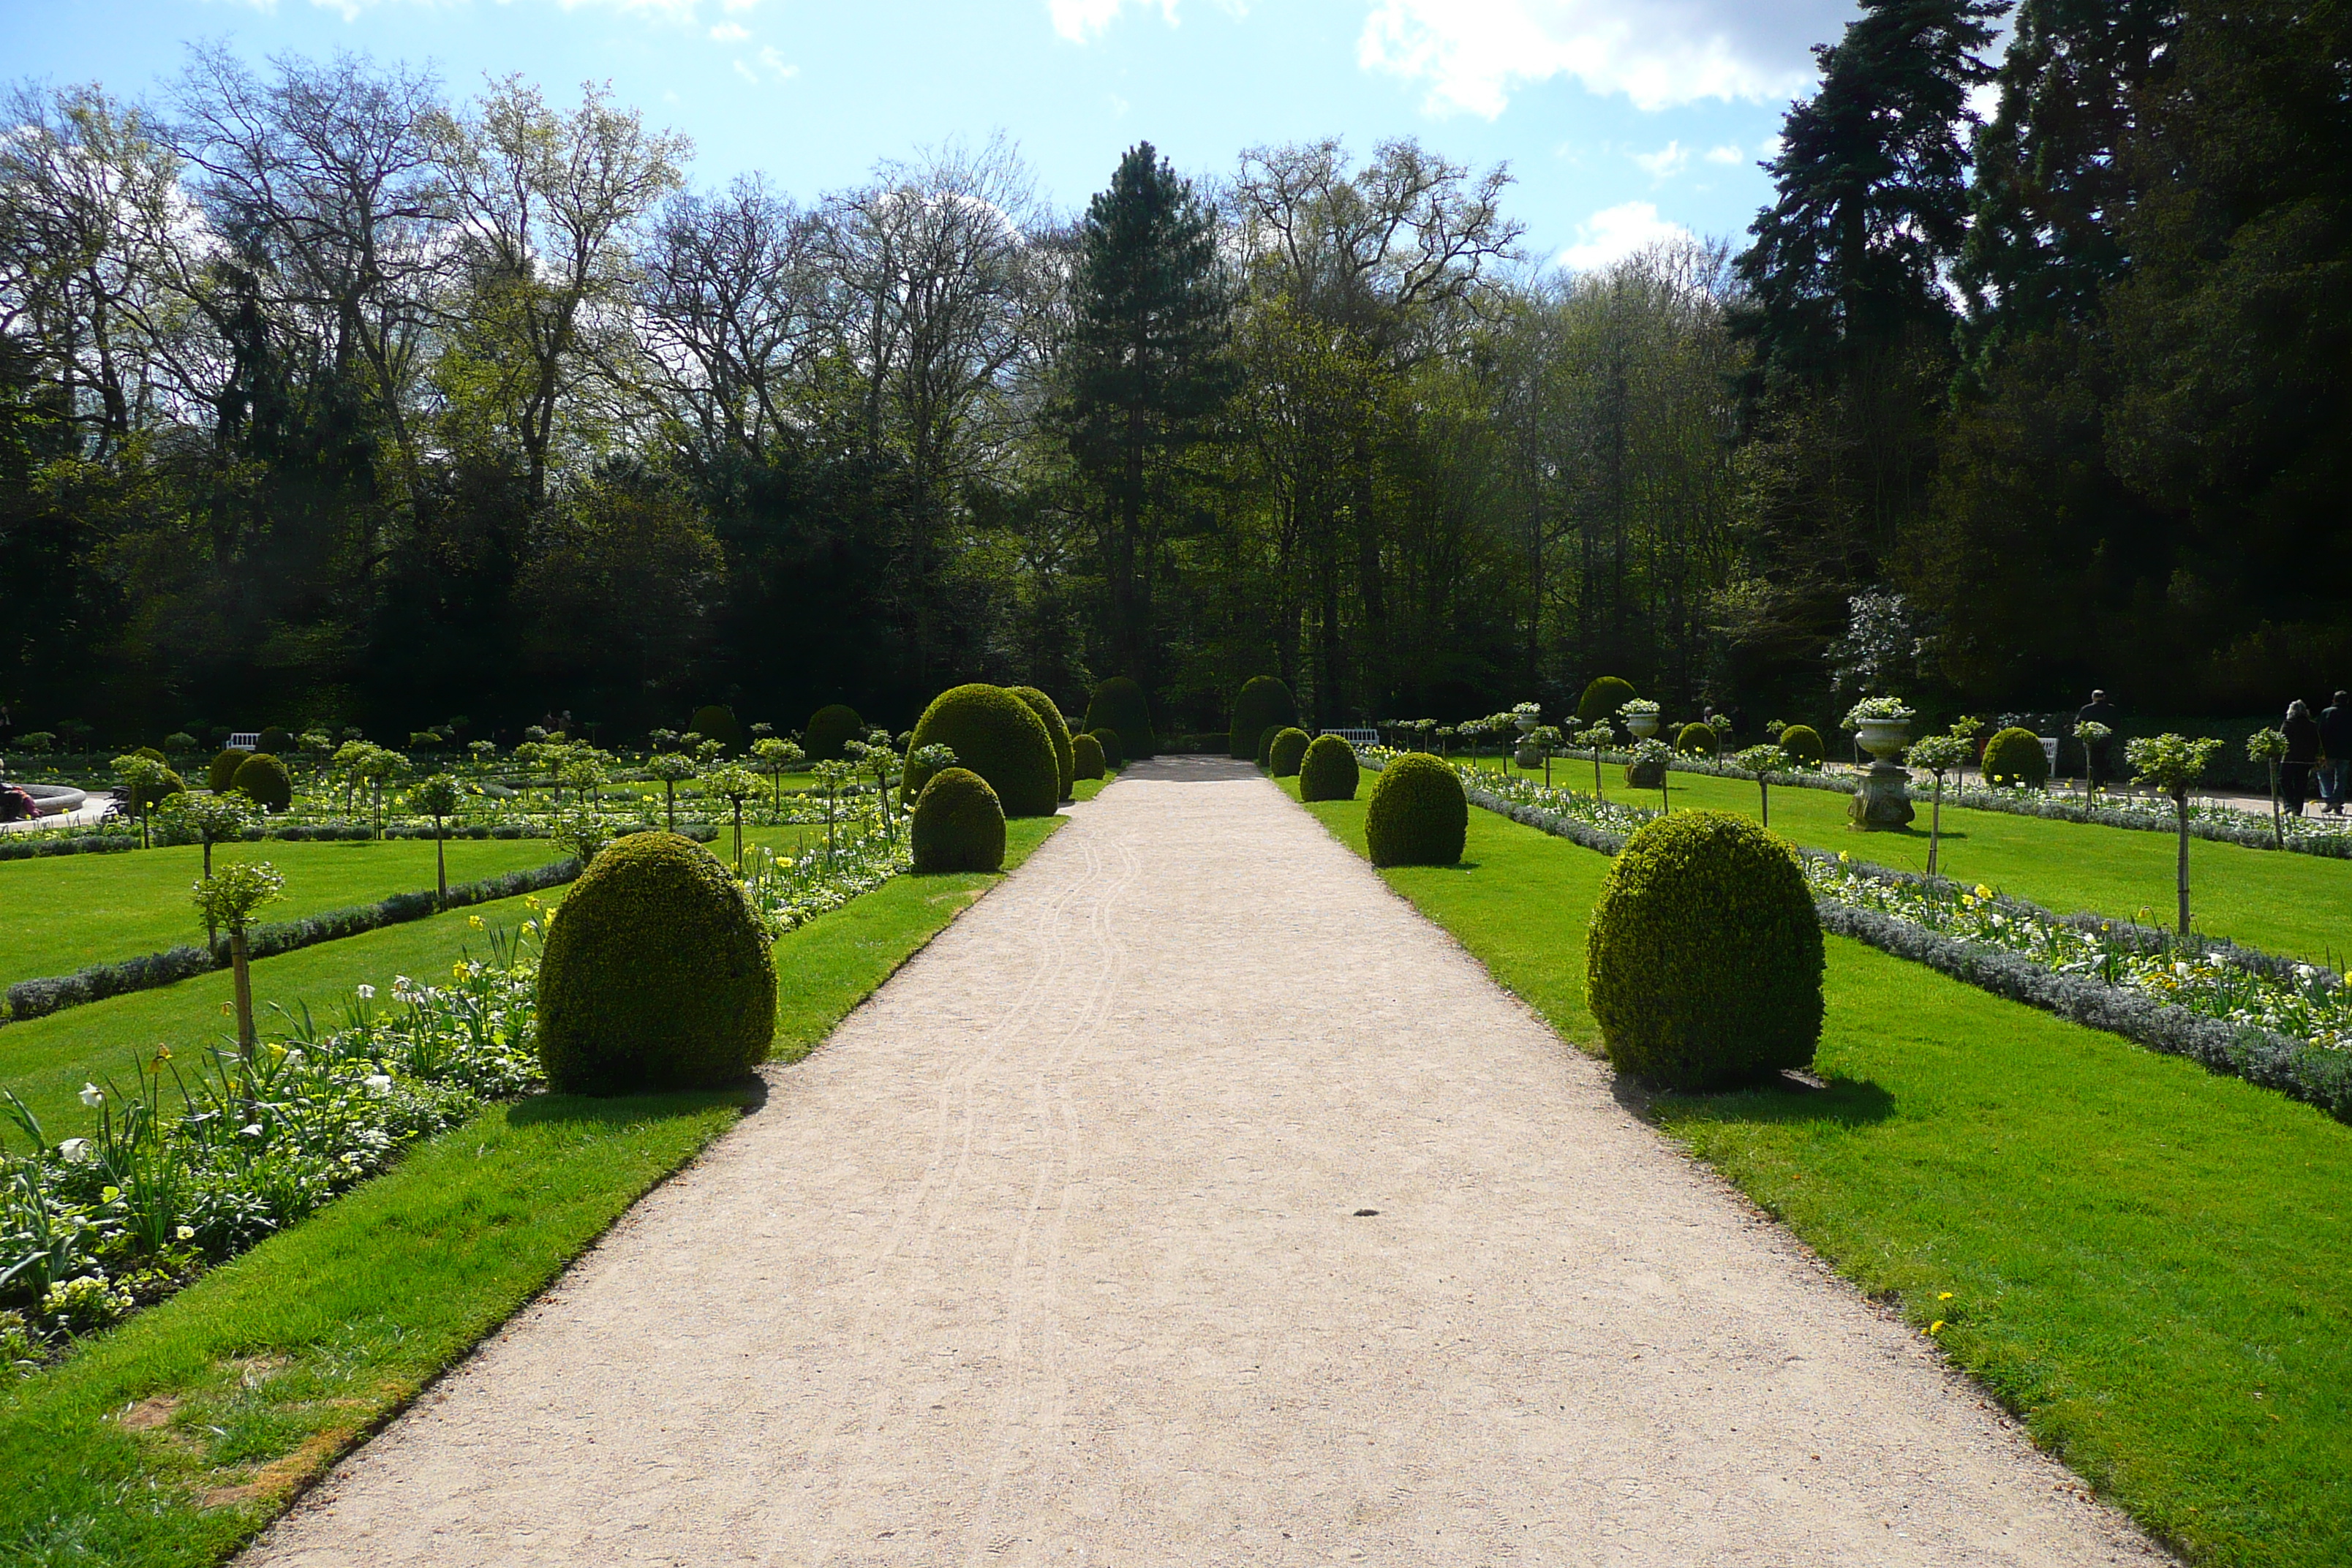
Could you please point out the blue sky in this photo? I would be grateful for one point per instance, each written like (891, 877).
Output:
(1622, 118)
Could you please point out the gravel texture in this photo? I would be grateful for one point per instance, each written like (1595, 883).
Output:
(1057, 1253)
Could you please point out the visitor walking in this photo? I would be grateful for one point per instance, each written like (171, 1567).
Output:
(2334, 753)
(2302, 732)
(2097, 711)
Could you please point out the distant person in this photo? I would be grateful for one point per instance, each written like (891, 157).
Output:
(2335, 753)
(2097, 711)
(2302, 732)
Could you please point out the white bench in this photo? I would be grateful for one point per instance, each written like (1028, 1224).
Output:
(245, 742)
(1355, 737)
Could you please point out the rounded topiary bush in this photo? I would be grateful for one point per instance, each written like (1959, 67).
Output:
(1329, 771)
(1603, 697)
(715, 722)
(1266, 749)
(1106, 742)
(1087, 757)
(1417, 814)
(655, 974)
(1283, 753)
(220, 773)
(995, 735)
(1119, 704)
(2015, 756)
(1802, 745)
(958, 824)
(263, 779)
(1703, 962)
(830, 728)
(1263, 703)
(1057, 731)
(1696, 740)
(275, 740)
(163, 789)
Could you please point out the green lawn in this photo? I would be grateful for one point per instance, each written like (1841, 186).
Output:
(68, 911)
(2287, 903)
(2144, 1259)
(171, 1441)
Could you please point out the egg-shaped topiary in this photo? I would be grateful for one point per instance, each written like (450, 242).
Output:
(958, 824)
(1702, 961)
(262, 779)
(1263, 703)
(2014, 757)
(1119, 704)
(157, 793)
(994, 735)
(1696, 740)
(655, 974)
(1266, 750)
(1802, 745)
(151, 753)
(1329, 771)
(830, 728)
(714, 722)
(1417, 814)
(274, 740)
(1087, 757)
(1603, 697)
(1114, 754)
(220, 773)
(1283, 753)
(1057, 731)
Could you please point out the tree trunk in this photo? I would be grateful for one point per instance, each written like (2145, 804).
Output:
(441, 858)
(240, 963)
(1935, 824)
(2181, 807)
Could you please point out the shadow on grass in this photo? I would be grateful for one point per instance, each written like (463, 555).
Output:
(627, 1110)
(1787, 1101)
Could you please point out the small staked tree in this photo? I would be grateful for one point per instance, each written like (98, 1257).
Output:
(830, 778)
(875, 753)
(439, 797)
(146, 779)
(2175, 764)
(1597, 738)
(213, 820)
(377, 765)
(227, 901)
(1938, 754)
(775, 758)
(2270, 746)
(738, 784)
(1545, 737)
(670, 767)
(1756, 763)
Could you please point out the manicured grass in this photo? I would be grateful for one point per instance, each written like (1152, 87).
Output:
(2144, 1259)
(68, 911)
(2287, 903)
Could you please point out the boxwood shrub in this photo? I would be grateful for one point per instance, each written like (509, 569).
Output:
(995, 735)
(1603, 697)
(1417, 814)
(2014, 757)
(958, 824)
(1263, 703)
(1284, 751)
(1696, 740)
(263, 778)
(1802, 744)
(220, 773)
(713, 722)
(1119, 704)
(1087, 757)
(1106, 741)
(830, 728)
(1057, 731)
(1329, 771)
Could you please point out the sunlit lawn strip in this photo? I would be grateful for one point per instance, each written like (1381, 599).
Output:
(2143, 1258)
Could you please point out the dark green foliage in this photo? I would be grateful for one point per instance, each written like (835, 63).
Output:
(149, 798)
(1697, 740)
(1603, 697)
(263, 779)
(220, 772)
(1087, 757)
(1417, 814)
(1057, 730)
(958, 824)
(1107, 741)
(1266, 749)
(153, 756)
(1704, 960)
(1329, 771)
(1263, 703)
(1283, 749)
(996, 735)
(2015, 756)
(715, 722)
(829, 729)
(1119, 704)
(655, 974)
(1803, 745)
(275, 740)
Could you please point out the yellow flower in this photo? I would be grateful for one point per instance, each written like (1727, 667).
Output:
(474, 921)
(458, 970)
(1983, 891)
(228, 1010)
(1937, 1327)
(530, 900)
(1943, 1296)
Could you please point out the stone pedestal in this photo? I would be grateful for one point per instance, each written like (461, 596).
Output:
(1884, 800)
(1647, 774)
(1528, 756)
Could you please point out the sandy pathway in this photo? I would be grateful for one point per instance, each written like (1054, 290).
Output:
(1053, 1255)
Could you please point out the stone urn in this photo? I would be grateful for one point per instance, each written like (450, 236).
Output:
(1643, 725)
(1646, 772)
(1884, 800)
(1526, 754)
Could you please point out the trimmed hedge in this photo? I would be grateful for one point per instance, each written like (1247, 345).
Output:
(95, 841)
(1086, 761)
(1284, 752)
(1266, 750)
(1603, 697)
(958, 824)
(220, 773)
(1329, 771)
(1696, 740)
(655, 975)
(714, 722)
(1417, 814)
(1802, 745)
(155, 795)
(2015, 756)
(830, 728)
(1120, 704)
(1263, 703)
(1704, 960)
(1057, 730)
(274, 740)
(994, 735)
(263, 779)
(1114, 754)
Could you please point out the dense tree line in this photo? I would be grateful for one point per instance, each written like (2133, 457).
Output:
(326, 397)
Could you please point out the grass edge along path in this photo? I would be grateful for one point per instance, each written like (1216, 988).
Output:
(2136, 1257)
(173, 1439)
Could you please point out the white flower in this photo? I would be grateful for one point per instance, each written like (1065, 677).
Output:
(378, 1084)
(250, 1129)
(92, 1095)
(367, 992)
(75, 1151)
(294, 1056)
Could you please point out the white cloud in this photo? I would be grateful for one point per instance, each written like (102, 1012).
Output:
(1729, 153)
(1614, 233)
(1473, 54)
(1665, 162)
(1080, 20)
(730, 33)
(676, 11)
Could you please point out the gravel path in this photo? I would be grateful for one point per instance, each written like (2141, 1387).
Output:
(1055, 1255)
